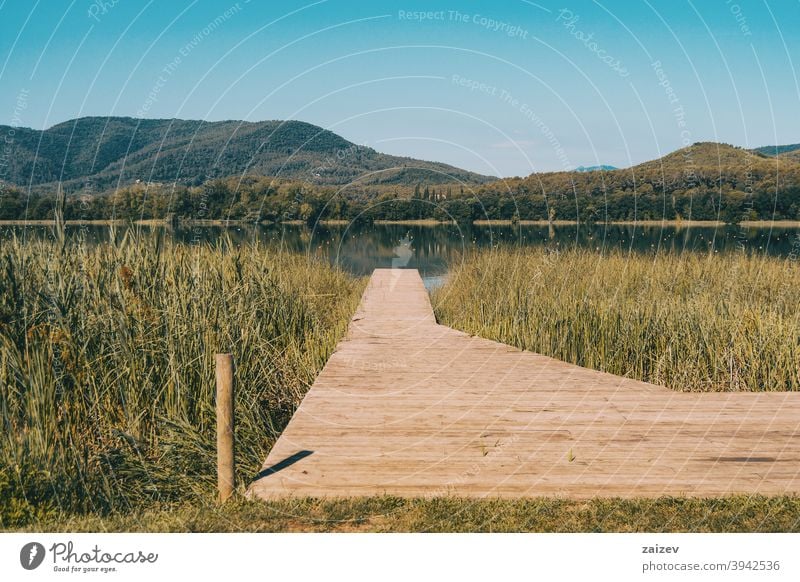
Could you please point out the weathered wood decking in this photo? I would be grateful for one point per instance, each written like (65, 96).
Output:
(408, 407)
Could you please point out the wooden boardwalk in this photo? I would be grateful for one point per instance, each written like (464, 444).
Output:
(408, 407)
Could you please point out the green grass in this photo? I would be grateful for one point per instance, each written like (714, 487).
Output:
(107, 366)
(391, 514)
(689, 321)
(106, 369)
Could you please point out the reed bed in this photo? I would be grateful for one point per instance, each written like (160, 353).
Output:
(692, 322)
(107, 365)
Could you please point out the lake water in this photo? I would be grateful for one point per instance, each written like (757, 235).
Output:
(431, 249)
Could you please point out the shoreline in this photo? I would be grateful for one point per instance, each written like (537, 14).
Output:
(416, 222)
(122, 222)
(771, 223)
(335, 222)
(676, 223)
(66, 222)
(419, 222)
(506, 222)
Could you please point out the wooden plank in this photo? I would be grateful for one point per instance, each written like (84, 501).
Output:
(408, 407)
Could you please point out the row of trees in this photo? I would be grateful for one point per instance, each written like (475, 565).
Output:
(263, 199)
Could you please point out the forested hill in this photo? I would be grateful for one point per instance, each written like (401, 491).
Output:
(779, 150)
(704, 181)
(95, 154)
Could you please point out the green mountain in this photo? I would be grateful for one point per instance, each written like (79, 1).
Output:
(777, 150)
(704, 181)
(95, 154)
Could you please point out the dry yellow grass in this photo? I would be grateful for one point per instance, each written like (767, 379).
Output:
(689, 321)
(106, 365)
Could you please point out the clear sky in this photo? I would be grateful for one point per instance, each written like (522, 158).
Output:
(505, 87)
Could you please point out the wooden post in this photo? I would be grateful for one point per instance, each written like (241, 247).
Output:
(225, 479)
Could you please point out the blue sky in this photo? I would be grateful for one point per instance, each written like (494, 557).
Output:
(505, 88)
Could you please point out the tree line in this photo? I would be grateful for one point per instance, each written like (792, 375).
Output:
(593, 197)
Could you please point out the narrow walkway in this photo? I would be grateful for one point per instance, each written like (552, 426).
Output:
(409, 407)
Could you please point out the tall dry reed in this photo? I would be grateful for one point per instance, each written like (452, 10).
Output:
(689, 321)
(107, 355)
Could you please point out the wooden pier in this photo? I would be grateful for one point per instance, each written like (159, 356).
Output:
(411, 408)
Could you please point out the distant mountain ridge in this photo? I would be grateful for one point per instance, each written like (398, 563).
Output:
(99, 153)
(704, 181)
(601, 167)
(777, 150)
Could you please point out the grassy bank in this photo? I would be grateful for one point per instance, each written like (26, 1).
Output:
(691, 322)
(106, 366)
(391, 514)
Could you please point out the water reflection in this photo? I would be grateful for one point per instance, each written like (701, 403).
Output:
(403, 253)
(431, 249)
